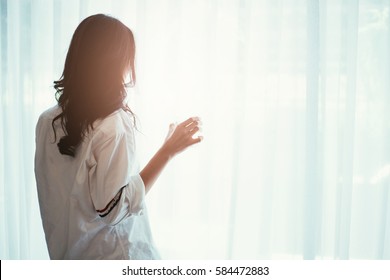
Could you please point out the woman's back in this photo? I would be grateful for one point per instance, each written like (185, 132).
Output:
(80, 219)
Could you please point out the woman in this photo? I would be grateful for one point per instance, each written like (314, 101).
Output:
(91, 197)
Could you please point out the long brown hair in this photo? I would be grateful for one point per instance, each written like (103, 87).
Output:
(92, 84)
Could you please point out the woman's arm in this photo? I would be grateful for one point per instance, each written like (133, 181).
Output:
(179, 138)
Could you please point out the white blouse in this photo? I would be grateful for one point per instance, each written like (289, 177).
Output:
(92, 205)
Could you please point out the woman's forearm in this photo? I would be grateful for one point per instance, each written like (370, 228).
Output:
(153, 169)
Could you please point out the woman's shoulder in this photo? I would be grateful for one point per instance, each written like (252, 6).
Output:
(46, 117)
(50, 113)
(115, 125)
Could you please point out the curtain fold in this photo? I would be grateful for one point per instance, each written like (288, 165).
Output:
(294, 98)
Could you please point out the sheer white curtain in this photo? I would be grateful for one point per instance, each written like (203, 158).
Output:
(294, 98)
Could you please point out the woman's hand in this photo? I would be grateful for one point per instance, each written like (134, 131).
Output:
(181, 137)
(178, 139)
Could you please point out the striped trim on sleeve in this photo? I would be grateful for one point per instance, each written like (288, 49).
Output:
(111, 205)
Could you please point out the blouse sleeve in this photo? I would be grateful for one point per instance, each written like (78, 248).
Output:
(115, 193)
